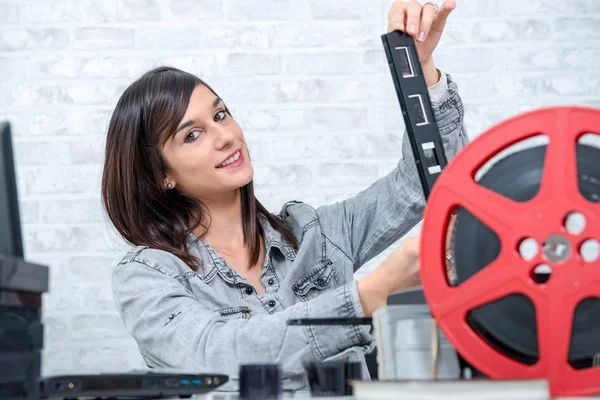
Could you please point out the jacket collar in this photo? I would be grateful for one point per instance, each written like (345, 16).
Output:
(274, 241)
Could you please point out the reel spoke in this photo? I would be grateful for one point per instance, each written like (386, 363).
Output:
(559, 177)
(554, 320)
(492, 283)
(479, 353)
(554, 325)
(497, 212)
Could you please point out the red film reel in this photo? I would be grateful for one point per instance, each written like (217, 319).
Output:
(543, 216)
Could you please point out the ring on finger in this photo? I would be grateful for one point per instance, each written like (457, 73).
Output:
(434, 6)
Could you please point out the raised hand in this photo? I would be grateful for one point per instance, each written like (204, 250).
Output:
(424, 22)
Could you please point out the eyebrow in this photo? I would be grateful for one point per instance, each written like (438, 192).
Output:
(215, 103)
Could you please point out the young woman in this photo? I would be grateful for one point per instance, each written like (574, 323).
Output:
(213, 276)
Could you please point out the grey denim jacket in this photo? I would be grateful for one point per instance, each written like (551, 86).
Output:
(213, 320)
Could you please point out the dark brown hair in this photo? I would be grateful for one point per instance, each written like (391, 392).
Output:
(142, 210)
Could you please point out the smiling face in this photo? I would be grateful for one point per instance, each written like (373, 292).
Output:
(207, 156)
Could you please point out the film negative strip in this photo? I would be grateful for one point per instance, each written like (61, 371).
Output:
(413, 95)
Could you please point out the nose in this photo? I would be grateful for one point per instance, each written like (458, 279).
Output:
(223, 137)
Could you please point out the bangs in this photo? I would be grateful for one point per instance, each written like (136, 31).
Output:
(166, 100)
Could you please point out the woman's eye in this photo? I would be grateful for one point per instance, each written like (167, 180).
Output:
(221, 115)
(192, 136)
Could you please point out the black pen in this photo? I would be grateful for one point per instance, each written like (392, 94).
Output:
(330, 321)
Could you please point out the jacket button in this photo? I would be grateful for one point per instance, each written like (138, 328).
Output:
(249, 290)
(320, 281)
(271, 281)
(272, 303)
(229, 274)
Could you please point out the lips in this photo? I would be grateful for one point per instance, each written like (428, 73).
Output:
(233, 157)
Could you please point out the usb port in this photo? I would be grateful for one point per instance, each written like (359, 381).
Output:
(196, 381)
(184, 382)
(172, 382)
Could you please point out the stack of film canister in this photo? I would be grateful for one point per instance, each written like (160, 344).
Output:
(22, 285)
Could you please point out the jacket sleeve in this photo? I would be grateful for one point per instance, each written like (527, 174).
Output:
(369, 222)
(174, 330)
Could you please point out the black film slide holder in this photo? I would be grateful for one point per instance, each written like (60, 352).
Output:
(330, 321)
(413, 95)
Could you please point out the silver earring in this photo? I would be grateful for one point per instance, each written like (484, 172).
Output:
(169, 186)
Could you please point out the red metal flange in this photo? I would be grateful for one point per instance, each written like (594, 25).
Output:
(572, 280)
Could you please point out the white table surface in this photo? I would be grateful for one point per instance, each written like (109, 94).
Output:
(306, 395)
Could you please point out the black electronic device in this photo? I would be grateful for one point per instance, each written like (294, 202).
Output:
(15, 273)
(11, 241)
(129, 385)
(21, 287)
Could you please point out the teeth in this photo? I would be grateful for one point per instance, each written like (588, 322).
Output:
(231, 159)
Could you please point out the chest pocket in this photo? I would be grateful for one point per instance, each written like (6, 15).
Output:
(241, 312)
(312, 284)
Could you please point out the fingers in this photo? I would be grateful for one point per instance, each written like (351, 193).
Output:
(442, 16)
(413, 17)
(418, 20)
(397, 16)
(428, 14)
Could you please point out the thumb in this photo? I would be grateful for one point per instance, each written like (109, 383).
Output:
(439, 23)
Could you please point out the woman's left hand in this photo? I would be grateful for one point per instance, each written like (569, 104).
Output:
(422, 22)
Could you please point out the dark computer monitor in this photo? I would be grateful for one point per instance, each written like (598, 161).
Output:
(11, 241)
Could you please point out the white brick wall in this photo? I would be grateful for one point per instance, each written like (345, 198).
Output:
(306, 78)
